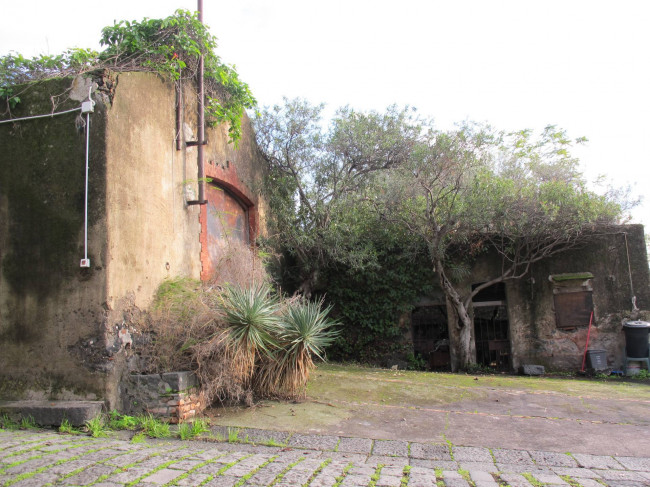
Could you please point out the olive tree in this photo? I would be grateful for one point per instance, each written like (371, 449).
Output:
(471, 189)
(320, 177)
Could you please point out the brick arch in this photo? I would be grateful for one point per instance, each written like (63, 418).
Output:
(224, 206)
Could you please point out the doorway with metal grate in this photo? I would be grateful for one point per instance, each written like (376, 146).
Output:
(491, 327)
(431, 335)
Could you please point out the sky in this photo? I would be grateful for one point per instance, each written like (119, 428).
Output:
(583, 65)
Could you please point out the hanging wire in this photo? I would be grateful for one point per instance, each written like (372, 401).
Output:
(40, 116)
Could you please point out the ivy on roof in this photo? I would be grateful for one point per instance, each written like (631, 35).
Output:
(171, 47)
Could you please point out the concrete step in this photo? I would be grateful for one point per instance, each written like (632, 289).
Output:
(52, 413)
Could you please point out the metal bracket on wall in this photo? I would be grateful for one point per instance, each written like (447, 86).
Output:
(198, 202)
(193, 143)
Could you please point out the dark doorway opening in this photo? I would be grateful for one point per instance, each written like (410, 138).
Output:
(431, 335)
(491, 327)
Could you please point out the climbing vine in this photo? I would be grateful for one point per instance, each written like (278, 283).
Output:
(171, 47)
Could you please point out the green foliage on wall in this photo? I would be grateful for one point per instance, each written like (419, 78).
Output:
(171, 47)
(369, 303)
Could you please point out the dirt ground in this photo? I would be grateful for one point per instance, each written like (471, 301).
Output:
(494, 411)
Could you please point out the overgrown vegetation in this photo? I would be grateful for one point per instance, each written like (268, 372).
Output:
(375, 189)
(171, 47)
(242, 340)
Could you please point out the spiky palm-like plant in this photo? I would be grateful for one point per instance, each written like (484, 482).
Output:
(306, 330)
(252, 327)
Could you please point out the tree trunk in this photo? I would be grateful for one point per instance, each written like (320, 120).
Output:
(467, 354)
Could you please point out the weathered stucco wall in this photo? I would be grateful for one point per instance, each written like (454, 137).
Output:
(50, 308)
(532, 312)
(153, 234)
(66, 331)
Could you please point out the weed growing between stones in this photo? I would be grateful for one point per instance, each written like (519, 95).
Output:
(191, 430)
(406, 473)
(119, 421)
(97, 427)
(67, 428)
(139, 438)
(7, 423)
(340, 478)
(374, 478)
(317, 471)
(233, 435)
(27, 423)
(154, 428)
(533, 481)
(245, 478)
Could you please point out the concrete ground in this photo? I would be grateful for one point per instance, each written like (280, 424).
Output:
(550, 414)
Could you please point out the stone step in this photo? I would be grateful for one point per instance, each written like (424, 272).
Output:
(52, 413)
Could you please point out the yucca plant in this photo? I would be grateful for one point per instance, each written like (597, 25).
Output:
(305, 332)
(250, 315)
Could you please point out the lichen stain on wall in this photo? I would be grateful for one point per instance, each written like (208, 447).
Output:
(46, 300)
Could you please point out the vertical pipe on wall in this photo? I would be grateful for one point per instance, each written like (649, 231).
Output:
(201, 121)
(179, 102)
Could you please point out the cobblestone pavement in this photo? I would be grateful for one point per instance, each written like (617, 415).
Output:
(38, 458)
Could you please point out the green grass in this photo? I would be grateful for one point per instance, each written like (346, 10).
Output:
(405, 476)
(281, 475)
(374, 478)
(233, 435)
(117, 421)
(187, 431)
(194, 469)
(316, 472)
(27, 423)
(154, 428)
(139, 438)
(533, 481)
(245, 478)
(158, 468)
(7, 423)
(272, 442)
(339, 479)
(97, 427)
(67, 428)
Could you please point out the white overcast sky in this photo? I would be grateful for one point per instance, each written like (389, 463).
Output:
(583, 65)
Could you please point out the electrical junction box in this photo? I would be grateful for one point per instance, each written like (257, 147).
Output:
(88, 106)
(84, 263)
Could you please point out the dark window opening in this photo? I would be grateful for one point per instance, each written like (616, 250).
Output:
(491, 327)
(431, 335)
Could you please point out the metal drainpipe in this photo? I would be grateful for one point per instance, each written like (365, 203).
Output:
(201, 123)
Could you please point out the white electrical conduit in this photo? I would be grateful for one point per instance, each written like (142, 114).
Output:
(40, 116)
(86, 262)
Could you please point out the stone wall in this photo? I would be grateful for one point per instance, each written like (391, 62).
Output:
(174, 397)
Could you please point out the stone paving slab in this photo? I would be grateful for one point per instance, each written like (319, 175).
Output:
(553, 459)
(471, 454)
(355, 445)
(430, 452)
(315, 442)
(391, 448)
(156, 463)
